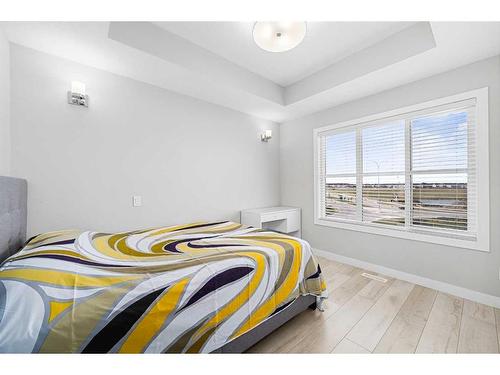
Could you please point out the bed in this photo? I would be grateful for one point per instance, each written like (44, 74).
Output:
(215, 287)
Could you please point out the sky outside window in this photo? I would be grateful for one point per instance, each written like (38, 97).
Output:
(438, 142)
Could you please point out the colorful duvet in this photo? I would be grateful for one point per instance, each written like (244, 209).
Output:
(187, 288)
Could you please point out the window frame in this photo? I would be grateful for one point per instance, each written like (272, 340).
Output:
(479, 242)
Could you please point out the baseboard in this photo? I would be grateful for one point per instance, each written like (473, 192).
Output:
(458, 291)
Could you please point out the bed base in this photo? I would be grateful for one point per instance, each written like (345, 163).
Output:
(249, 339)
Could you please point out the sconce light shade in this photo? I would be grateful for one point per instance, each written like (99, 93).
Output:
(266, 136)
(77, 94)
(78, 87)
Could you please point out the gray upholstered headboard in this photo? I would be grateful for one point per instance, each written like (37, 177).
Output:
(13, 210)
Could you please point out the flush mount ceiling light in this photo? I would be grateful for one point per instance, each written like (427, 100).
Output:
(278, 36)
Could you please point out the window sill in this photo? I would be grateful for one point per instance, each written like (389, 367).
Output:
(465, 242)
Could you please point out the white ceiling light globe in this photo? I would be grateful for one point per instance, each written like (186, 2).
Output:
(278, 36)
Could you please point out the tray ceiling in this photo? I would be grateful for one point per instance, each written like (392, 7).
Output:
(218, 61)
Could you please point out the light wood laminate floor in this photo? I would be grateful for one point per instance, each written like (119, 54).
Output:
(363, 315)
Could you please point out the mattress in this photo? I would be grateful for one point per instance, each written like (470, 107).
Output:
(180, 289)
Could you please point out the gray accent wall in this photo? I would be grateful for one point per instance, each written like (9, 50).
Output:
(466, 268)
(188, 159)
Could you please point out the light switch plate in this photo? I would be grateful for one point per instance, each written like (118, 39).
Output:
(136, 201)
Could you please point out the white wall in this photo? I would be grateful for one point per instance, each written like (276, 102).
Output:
(189, 160)
(4, 105)
(469, 269)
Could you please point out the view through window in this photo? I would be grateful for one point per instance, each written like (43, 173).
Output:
(416, 171)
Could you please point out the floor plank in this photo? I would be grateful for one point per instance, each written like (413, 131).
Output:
(403, 334)
(331, 266)
(346, 346)
(335, 280)
(478, 332)
(326, 336)
(373, 325)
(339, 296)
(441, 332)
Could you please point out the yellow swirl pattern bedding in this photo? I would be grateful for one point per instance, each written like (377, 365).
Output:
(188, 288)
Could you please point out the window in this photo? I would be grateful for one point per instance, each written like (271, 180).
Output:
(420, 172)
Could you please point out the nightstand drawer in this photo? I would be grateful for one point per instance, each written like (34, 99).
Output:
(293, 222)
(272, 216)
(292, 219)
(279, 219)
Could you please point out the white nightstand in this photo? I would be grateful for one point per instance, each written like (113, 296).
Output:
(281, 219)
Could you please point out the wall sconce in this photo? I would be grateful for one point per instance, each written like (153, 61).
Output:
(266, 136)
(77, 94)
